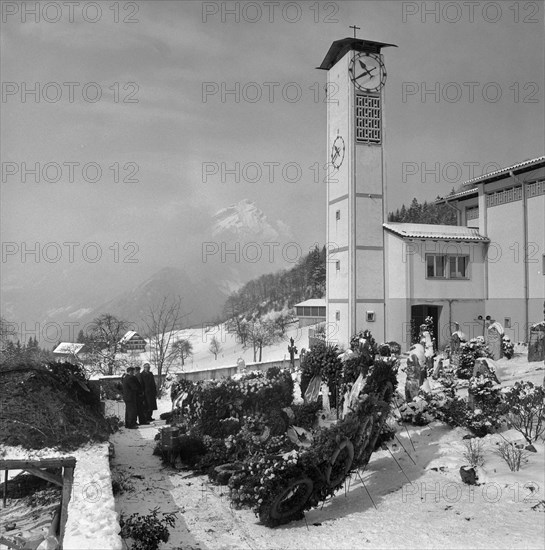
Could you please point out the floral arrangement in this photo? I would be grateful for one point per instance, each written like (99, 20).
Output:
(273, 454)
(322, 359)
(351, 441)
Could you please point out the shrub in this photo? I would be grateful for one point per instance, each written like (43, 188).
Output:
(147, 532)
(114, 423)
(507, 347)
(395, 348)
(513, 455)
(525, 409)
(474, 453)
(121, 482)
(469, 352)
(418, 411)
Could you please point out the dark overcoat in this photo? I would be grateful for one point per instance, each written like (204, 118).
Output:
(150, 390)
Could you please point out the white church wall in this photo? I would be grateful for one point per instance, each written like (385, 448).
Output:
(396, 267)
(536, 248)
(505, 264)
(422, 287)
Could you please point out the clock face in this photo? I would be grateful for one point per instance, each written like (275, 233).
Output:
(337, 152)
(367, 72)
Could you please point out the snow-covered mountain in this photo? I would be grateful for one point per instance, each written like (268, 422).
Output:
(245, 222)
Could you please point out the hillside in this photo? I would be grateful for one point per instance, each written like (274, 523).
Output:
(277, 291)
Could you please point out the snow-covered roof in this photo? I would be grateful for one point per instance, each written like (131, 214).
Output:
(128, 335)
(492, 176)
(314, 302)
(437, 232)
(68, 348)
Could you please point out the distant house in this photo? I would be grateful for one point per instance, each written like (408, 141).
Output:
(132, 341)
(311, 311)
(68, 351)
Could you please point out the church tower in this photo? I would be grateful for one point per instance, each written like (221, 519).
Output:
(355, 296)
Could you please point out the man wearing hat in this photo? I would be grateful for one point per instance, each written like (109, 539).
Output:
(130, 396)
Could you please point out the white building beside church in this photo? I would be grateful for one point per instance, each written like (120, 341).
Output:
(380, 276)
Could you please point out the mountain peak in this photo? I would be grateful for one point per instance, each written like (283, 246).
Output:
(243, 221)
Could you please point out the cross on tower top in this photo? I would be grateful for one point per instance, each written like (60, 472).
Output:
(355, 29)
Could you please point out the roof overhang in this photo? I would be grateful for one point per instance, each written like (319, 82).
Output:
(340, 48)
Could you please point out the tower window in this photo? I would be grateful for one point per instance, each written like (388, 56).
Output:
(368, 119)
(338, 215)
(337, 315)
(338, 265)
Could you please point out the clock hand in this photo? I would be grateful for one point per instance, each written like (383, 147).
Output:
(365, 73)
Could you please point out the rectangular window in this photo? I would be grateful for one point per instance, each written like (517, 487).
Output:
(435, 266)
(338, 265)
(306, 311)
(439, 266)
(507, 322)
(337, 315)
(338, 215)
(322, 311)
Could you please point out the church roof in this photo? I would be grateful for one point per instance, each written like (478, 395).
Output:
(436, 232)
(340, 48)
(524, 166)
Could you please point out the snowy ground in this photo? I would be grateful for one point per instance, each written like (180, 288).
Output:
(411, 497)
(231, 350)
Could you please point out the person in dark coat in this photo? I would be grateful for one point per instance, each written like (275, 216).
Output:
(141, 400)
(150, 391)
(130, 396)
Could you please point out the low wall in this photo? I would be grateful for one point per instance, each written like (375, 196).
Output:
(225, 372)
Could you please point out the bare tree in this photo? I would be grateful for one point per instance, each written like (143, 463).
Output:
(215, 347)
(105, 333)
(162, 321)
(183, 349)
(282, 321)
(261, 334)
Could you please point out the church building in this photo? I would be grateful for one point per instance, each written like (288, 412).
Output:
(387, 277)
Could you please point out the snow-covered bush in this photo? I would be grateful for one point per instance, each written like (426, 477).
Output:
(514, 456)
(149, 531)
(507, 347)
(419, 411)
(474, 452)
(524, 407)
(469, 352)
(484, 414)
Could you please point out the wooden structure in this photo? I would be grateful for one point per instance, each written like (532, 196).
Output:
(39, 467)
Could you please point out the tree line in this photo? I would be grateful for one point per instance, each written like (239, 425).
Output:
(426, 212)
(260, 312)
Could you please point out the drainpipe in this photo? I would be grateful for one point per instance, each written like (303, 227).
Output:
(525, 248)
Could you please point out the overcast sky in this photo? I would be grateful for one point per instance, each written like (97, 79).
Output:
(152, 116)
